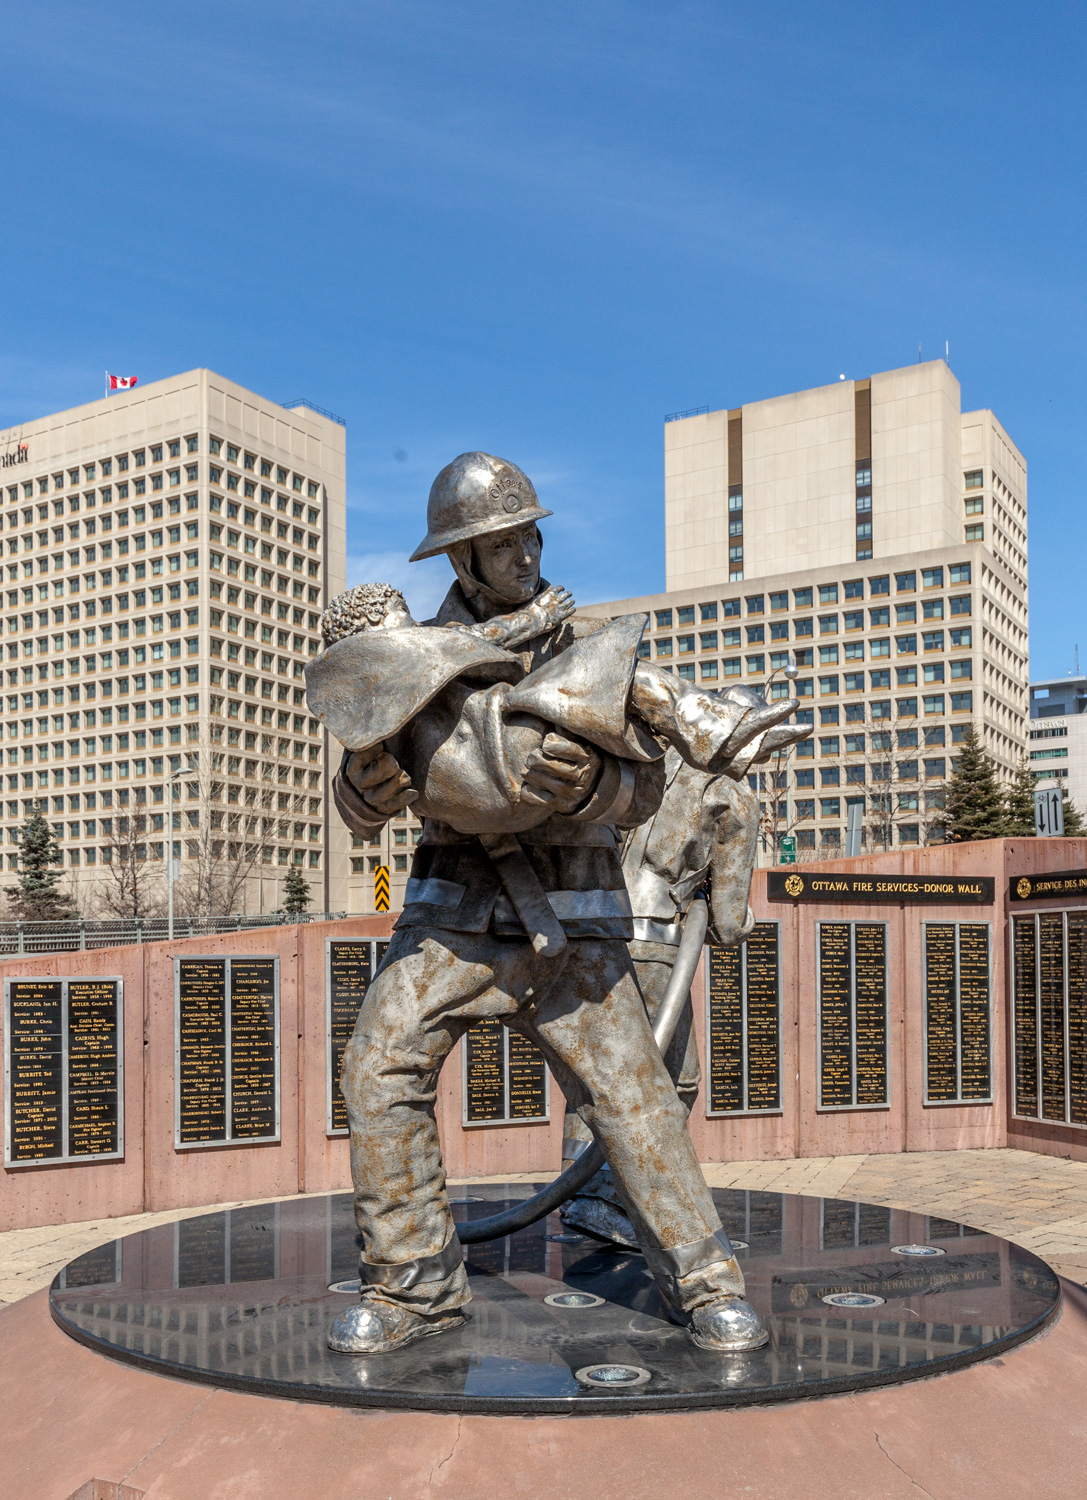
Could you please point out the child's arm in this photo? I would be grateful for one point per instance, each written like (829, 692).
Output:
(545, 612)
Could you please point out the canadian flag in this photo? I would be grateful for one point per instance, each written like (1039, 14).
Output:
(122, 382)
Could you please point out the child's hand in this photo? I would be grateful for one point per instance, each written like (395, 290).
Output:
(553, 606)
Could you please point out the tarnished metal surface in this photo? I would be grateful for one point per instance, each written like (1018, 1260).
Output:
(514, 784)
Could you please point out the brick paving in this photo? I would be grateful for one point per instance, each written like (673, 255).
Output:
(1037, 1201)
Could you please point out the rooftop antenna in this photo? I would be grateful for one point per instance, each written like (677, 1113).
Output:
(947, 353)
(1077, 658)
(919, 354)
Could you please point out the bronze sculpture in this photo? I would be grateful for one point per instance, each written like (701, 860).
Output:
(524, 765)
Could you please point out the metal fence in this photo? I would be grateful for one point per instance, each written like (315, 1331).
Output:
(63, 937)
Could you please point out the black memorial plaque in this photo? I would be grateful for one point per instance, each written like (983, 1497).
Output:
(94, 1074)
(941, 1028)
(64, 1055)
(1025, 1015)
(870, 991)
(485, 1073)
(725, 1028)
(1077, 1017)
(1051, 1009)
(350, 970)
(253, 1091)
(835, 1015)
(201, 1051)
(251, 1244)
(504, 1078)
(200, 1251)
(527, 1073)
(35, 1061)
(958, 1028)
(743, 1025)
(852, 1015)
(975, 1013)
(227, 1073)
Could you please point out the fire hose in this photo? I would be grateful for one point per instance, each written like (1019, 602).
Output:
(586, 1166)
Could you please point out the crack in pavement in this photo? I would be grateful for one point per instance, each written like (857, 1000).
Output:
(439, 1466)
(898, 1466)
(165, 1437)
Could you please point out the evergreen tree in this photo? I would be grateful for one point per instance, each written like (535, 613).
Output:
(297, 892)
(1019, 803)
(37, 897)
(975, 803)
(1073, 818)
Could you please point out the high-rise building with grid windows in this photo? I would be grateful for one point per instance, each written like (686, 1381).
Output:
(166, 553)
(875, 536)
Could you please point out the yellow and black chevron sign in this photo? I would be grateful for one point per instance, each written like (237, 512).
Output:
(381, 888)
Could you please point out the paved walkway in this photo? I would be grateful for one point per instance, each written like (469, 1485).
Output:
(1037, 1201)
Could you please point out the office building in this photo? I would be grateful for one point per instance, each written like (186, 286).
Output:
(167, 553)
(1058, 735)
(874, 535)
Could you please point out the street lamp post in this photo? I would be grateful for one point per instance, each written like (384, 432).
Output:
(172, 783)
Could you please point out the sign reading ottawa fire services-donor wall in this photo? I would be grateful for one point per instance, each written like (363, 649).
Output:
(63, 1070)
(226, 1050)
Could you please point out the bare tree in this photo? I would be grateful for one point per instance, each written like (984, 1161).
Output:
(132, 886)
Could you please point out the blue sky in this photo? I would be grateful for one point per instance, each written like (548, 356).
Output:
(536, 229)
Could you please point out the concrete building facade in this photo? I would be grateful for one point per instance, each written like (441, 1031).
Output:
(875, 536)
(1058, 735)
(167, 553)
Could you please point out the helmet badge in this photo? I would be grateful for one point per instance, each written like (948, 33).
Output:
(507, 491)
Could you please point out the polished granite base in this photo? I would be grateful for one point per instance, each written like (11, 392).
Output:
(855, 1296)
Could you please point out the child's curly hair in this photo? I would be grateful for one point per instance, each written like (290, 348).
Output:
(359, 609)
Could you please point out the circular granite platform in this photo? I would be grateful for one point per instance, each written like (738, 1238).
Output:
(855, 1295)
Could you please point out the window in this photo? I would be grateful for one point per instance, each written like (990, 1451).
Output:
(829, 807)
(779, 630)
(806, 777)
(707, 641)
(731, 609)
(686, 672)
(854, 775)
(685, 614)
(828, 593)
(854, 682)
(932, 578)
(664, 619)
(707, 612)
(975, 507)
(755, 604)
(974, 479)
(756, 664)
(664, 648)
(756, 634)
(962, 669)
(805, 808)
(907, 708)
(934, 767)
(643, 649)
(829, 714)
(934, 734)
(802, 598)
(828, 745)
(828, 684)
(960, 572)
(962, 703)
(803, 627)
(708, 671)
(854, 619)
(905, 645)
(905, 582)
(934, 704)
(730, 637)
(975, 533)
(828, 655)
(960, 605)
(934, 671)
(880, 679)
(828, 624)
(905, 614)
(881, 585)
(854, 650)
(731, 666)
(879, 619)
(685, 645)
(854, 744)
(906, 676)
(854, 713)
(933, 609)
(961, 638)
(780, 601)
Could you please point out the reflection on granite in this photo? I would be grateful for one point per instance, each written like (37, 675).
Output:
(240, 1298)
